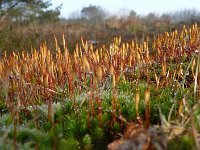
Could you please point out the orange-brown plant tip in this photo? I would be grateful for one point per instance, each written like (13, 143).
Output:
(147, 96)
(99, 73)
(137, 100)
(113, 81)
(180, 108)
(46, 80)
(86, 64)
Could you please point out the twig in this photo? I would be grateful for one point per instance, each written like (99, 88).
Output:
(194, 131)
(196, 76)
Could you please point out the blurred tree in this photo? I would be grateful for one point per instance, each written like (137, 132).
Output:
(186, 16)
(166, 22)
(94, 14)
(132, 13)
(26, 11)
(26, 23)
(151, 18)
(74, 15)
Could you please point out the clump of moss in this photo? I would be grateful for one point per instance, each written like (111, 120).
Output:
(185, 142)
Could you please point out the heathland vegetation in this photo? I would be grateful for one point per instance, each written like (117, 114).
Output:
(27, 24)
(95, 81)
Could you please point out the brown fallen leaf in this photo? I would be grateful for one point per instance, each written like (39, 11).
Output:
(135, 137)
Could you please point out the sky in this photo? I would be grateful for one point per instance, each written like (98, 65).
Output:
(118, 7)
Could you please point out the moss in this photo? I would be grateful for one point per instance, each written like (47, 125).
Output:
(184, 142)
